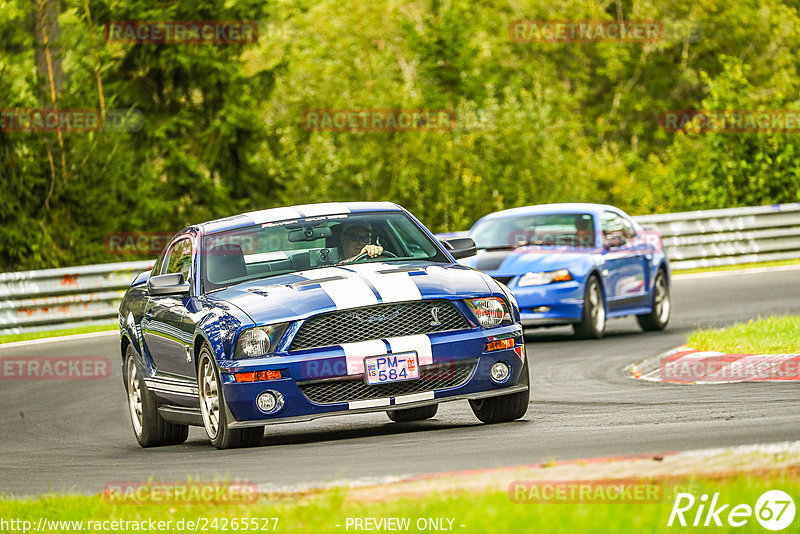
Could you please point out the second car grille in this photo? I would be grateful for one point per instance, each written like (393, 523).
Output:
(503, 279)
(432, 378)
(378, 322)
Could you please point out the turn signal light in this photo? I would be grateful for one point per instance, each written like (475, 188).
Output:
(500, 344)
(257, 376)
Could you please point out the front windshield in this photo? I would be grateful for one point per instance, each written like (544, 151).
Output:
(279, 248)
(556, 230)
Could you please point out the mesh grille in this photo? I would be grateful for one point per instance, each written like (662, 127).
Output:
(378, 322)
(432, 378)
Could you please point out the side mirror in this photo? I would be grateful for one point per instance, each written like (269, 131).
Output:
(460, 247)
(168, 284)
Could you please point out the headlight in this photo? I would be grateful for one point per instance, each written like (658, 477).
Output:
(490, 311)
(260, 341)
(540, 279)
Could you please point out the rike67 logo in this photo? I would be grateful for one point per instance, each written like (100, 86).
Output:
(774, 510)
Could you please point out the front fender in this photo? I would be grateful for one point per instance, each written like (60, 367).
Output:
(219, 328)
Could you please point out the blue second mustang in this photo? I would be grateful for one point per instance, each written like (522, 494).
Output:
(290, 314)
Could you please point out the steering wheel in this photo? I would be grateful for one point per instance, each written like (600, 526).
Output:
(366, 255)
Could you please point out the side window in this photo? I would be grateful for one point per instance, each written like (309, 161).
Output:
(180, 258)
(614, 229)
(628, 231)
(159, 263)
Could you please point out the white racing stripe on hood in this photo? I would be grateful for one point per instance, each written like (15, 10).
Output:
(392, 287)
(355, 353)
(349, 292)
(421, 344)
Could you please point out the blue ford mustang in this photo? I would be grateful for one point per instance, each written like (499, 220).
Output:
(290, 314)
(576, 264)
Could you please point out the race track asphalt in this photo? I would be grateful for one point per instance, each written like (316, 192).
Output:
(76, 435)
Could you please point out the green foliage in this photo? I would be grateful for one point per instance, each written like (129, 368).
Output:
(535, 122)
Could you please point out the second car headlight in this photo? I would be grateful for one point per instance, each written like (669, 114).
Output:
(259, 341)
(540, 279)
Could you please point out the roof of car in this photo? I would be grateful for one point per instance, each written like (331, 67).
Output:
(294, 212)
(565, 207)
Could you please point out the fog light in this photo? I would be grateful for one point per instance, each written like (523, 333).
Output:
(500, 372)
(269, 401)
(541, 309)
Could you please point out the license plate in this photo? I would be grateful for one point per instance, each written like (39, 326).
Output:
(391, 368)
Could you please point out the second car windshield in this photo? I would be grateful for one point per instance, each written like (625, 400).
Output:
(558, 230)
(284, 247)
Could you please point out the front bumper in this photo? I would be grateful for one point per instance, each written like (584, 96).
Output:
(328, 366)
(564, 301)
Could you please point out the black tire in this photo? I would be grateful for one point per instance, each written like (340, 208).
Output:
(212, 407)
(504, 408)
(150, 429)
(658, 318)
(413, 414)
(593, 320)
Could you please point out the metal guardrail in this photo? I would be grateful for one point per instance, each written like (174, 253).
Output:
(63, 298)
(77, 296)
(732, 236)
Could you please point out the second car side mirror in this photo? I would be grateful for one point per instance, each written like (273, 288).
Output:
(460, 247)
(168, 284)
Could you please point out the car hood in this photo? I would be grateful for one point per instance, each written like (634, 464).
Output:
(298, 295)
(526, 259)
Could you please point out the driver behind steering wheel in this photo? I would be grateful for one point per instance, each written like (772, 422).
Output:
(357, 240)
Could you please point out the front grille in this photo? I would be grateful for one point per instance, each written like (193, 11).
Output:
(503, 279)
(378, 322)
(432, 378)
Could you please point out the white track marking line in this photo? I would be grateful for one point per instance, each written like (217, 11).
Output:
(754, 270)
(72, 337)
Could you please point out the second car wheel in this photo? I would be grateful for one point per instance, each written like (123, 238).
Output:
(658, 318)
(212, 407)
(593, 320)
(413, 414)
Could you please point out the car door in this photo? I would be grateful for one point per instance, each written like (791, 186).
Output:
(624, 265)
(167, 328)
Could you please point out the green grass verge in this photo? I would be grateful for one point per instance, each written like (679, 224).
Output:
(9, 338)
(484, 513)
(737, 267)
(773, 335)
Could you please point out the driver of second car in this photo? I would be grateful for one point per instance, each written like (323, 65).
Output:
(357, 240)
